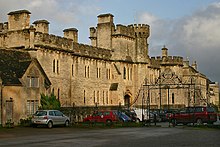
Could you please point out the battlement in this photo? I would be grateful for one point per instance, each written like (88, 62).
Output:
(168, 60)
(90, 51)
(132, 31)
(122, 30)
(154, 63)
(141, 30)
(52, 40)
(4, 27)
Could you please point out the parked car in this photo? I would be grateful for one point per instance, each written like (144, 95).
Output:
(162, 115)
(132, 114)
(198, 115)
(123, 117)
(105, 116)
(49, 118)
(169, 112)
(147, 115)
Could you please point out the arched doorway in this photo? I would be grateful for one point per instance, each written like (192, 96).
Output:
(127, 100)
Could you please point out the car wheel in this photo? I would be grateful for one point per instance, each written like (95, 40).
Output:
(185, 124)
(174, 123)
(199, 121)
(34, 125)
(108, 122)
(67, 123)
(49, 124)
(137, 120)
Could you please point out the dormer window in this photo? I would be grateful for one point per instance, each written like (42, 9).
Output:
(32, 82)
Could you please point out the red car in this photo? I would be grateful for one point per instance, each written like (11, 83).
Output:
(105, 116)
(197, 114)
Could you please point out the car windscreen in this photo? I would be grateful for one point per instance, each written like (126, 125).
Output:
(40, 113)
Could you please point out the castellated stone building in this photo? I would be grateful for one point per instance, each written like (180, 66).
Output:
(114, 70)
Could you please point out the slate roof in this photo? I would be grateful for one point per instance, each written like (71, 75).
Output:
(13, 65)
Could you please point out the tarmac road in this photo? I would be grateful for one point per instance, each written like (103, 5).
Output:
(110, 137)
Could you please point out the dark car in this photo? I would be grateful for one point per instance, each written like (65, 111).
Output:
(132, 114)
(198, 115)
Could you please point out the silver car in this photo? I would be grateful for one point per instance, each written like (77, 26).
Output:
(50, 118)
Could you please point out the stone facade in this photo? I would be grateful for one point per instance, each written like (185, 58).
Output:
(22, 81)
(115, 69)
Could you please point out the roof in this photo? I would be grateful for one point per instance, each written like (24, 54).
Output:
(13, 65)
(19, 12)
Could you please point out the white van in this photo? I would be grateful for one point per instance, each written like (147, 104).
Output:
(139, 113)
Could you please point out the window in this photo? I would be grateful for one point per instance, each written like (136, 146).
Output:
(128, 74)
(84, 100)
(51, 113)
(172, 98)
(58, 94)
(85, 71)
(108, 73)
(57, 66)
(98, 97)
(54, 67)
(106, 97)
(72, 70)
(32, 106)
(32, 81)
(98, 72)
(124, 73)
(106, 113)
(58, 113)
(103, 97)
(88, 71)
(94, 97)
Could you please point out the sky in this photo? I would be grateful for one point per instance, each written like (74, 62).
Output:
(188, 28)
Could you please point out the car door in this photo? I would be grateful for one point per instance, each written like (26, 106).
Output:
(59, 119)
(52, 116)
(183, 116)
(190, 115)
(96, 117)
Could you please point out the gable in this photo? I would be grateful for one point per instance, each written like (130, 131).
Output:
(13, 65)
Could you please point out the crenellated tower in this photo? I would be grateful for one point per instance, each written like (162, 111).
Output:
(127, 43)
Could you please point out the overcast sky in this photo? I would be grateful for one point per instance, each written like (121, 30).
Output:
(188, 28)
